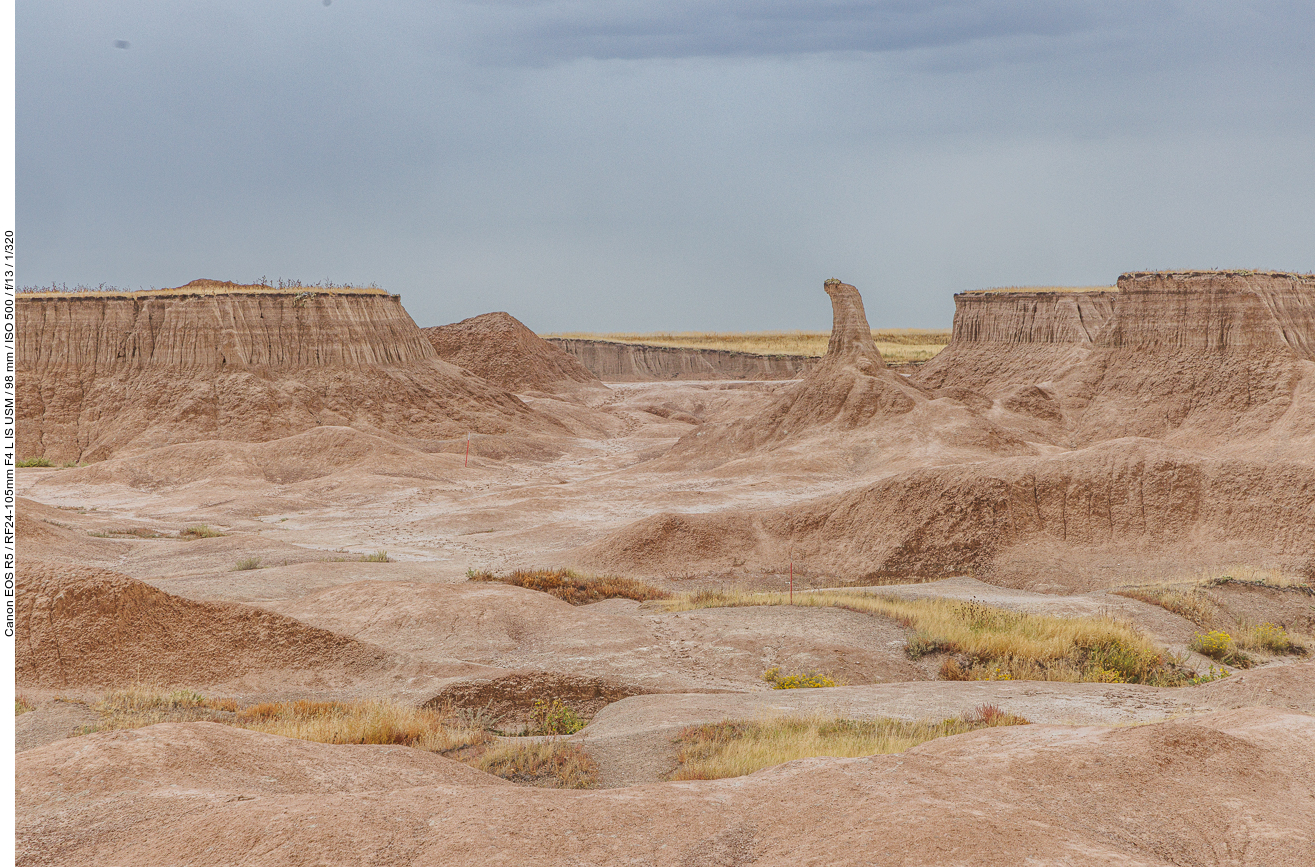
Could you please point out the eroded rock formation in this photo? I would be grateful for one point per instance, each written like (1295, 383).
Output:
(1185, 403)
(1201, 357)
(849, 392)
(1006, 340)
(101, 373)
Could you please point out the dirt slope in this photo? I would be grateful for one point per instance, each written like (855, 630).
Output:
(1016, 520)
(1195, 791)
(98, 375)
(92, 628)
(497, 347)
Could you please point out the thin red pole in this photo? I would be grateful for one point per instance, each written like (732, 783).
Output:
(792, 575)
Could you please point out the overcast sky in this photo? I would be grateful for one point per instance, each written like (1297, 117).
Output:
(662, 164)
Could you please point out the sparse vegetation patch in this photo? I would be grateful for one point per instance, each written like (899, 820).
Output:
(1268, 638)
(376, 557)
(989, 643)
(1219, 645)
(552, 764)
(34, 462)
(555, 718)
(364, 722)
(734, 748)
(575, 588)
(200, 531)
(246, 564)
(807, 680)
(1186, 602)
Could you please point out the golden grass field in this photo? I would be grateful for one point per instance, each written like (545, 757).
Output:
(896, 344)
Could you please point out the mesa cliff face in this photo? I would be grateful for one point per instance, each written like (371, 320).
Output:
(1004, 340)
(1200, 357)
(1216, 311)
(638, 362)
(99, 374)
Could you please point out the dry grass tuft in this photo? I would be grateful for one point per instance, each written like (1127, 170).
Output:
(1254, 576)
(1269, 638)
(361, 722)
(715, 751)
(551, 764)
(22, 705)
(246, 564)
(554, 763)
(1189, 602)
(991, 643)
(200, 531)
(376, 557)
(897, 345)
(140, 706)
(573, 588)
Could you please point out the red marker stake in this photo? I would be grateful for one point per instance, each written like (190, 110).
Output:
(792, 576)
(467, 449)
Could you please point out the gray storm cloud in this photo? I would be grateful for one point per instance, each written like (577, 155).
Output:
(662, 165)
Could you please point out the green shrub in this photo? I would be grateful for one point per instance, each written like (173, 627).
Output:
(555, 718)
(808, 680)
(377, 557)
(1219, 645)
(34, 462)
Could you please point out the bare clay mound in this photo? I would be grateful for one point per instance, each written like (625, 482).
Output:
(851, 410)
(1077, 521)
(1192, 791)
(90, 628)
(499, 348)
(101, 374)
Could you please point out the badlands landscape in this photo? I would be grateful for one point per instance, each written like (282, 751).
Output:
(304, 583)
